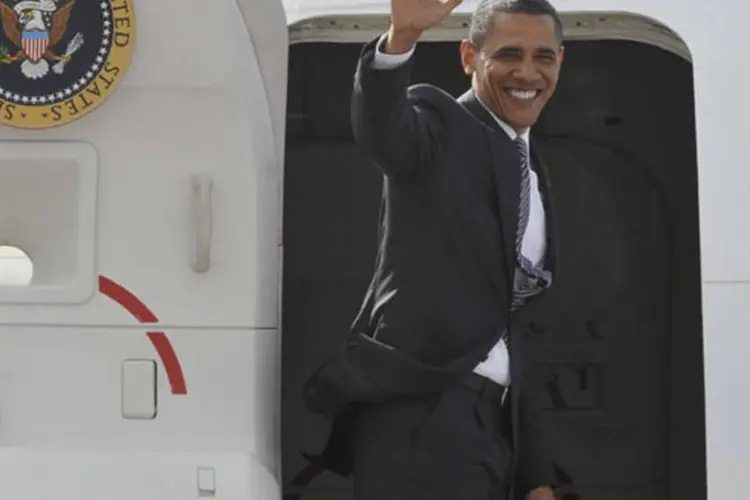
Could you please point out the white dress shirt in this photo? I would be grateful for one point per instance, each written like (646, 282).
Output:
(496, 366)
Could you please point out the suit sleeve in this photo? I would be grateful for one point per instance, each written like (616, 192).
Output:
(535, 465)
(401, 132)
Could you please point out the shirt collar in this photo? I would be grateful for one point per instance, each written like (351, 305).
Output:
(507, 128)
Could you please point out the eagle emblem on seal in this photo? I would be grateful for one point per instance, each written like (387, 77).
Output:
(36, 27)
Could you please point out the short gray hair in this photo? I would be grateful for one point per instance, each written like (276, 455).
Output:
(483, 18)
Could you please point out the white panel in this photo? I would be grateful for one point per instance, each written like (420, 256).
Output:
(202, 109)
(185, 107)
(139, 389)
(61, 388)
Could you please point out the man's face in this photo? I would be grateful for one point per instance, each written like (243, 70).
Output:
(515, 72)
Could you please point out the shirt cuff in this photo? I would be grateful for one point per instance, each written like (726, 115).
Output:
(384, 60)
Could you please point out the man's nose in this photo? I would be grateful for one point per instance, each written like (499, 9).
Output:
(527, 71)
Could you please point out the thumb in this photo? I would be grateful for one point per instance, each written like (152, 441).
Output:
(452, 4)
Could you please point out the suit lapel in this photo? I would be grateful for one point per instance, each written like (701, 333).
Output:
(505, 173)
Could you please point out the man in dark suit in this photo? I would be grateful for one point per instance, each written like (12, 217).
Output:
(421, 390)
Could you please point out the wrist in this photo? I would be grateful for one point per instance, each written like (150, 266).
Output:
(400, 41)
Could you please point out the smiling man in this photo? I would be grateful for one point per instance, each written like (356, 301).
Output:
(429, 391)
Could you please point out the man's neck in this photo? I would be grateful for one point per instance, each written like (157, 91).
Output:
(512, 132)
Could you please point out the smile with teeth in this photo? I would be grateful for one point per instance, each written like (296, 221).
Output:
(524, 94)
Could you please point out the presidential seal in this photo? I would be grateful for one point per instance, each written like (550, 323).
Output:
(61, 59)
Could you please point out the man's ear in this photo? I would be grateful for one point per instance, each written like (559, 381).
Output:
(468, 57)
(562, 53)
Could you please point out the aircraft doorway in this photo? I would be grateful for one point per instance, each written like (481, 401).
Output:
(618, 341)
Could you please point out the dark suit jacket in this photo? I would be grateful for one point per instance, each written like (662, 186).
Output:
(440, 295)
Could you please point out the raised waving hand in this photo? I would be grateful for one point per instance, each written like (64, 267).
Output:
(410, 18)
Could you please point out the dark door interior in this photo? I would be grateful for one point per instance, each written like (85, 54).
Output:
(618, 341)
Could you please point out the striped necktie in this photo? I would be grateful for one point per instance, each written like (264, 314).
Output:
(523, 207)
(523, 212)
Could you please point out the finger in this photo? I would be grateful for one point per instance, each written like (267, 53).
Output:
(452, 4)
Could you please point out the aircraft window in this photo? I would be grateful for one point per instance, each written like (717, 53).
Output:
(16, 267)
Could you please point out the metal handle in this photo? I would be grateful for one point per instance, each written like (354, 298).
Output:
(202, 185)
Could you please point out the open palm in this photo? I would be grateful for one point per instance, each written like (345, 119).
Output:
(420, 15)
